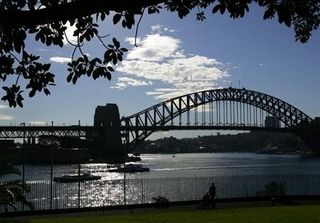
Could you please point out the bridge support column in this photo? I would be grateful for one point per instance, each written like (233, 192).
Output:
(311, 140)
(109, 146)
(31, 140)
(309, 133)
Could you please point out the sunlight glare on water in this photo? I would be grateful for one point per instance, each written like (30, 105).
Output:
(175, 176)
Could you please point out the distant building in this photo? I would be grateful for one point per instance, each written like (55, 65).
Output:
(271, 122)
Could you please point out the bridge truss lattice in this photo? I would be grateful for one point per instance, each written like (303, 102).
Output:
(19, 132)
(228, 108)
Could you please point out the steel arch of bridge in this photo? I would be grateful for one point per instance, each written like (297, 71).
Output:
(139, 126)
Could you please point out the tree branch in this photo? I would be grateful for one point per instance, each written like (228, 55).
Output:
(70, 10)
(135, 38)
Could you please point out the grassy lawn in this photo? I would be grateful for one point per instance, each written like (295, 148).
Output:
(281, 214)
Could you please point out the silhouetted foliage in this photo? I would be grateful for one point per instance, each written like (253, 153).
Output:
(47, 21)
(161, 201)
(273, 189)
(11, 192)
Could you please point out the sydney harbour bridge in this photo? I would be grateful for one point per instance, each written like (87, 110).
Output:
(216, 109)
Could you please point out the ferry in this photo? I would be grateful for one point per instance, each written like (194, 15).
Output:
(130, 168)
(76, 178)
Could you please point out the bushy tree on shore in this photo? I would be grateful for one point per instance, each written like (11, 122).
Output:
(11, 192)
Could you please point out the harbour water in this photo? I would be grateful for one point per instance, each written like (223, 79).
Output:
(175, 176)
(192, 165)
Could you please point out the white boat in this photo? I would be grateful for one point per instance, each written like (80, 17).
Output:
(130, 168)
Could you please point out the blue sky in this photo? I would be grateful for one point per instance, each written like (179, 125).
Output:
(175, 57)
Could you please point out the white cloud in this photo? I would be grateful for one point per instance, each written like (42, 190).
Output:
(5, 117)
(157, 28)
(176, 70)
(38, 123)
(161, 59)
(124, 82)
(167, 93)
(69, 33)
(154, 47)
(43, 50)
(160, 29)
(60, 59)
(133, 40)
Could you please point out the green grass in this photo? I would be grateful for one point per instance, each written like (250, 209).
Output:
(281, 214)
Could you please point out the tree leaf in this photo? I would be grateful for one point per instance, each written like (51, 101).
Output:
(116, 18)
(46, 91)
(108, 75)
(19, 100)
(32, 93)
(116, 42)
(74, 79)
(69, 78)
(110, 68)
(215, 9)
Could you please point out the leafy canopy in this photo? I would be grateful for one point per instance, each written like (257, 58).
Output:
(47, 20)
(12, 192)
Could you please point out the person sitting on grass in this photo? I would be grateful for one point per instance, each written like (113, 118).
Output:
(205, 202)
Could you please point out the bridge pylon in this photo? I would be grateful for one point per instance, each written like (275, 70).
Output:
(108, 144)
(309, 132)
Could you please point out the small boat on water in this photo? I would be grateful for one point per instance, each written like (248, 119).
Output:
(130, 168)
(76, 178)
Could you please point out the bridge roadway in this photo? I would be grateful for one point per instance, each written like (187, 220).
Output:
(37, 131)
(7, 132)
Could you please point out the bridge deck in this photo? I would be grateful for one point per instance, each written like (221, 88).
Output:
(85, 131)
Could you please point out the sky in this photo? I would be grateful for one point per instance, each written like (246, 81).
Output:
(176, 57)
